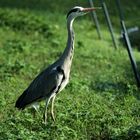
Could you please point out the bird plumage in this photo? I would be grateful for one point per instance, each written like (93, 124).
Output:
(54, 78)
(46, 83)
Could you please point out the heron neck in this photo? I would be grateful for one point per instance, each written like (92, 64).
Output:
(69, 50)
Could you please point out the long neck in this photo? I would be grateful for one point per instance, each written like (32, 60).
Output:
(69, 50)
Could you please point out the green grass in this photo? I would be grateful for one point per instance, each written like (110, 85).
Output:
(100, 102)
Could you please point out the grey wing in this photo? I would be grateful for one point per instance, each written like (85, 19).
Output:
(43, 86)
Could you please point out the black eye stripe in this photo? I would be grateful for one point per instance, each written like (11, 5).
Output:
(73, 10)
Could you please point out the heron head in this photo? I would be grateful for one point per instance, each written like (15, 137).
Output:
(79, 11)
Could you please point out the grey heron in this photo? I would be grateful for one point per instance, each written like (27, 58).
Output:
(55, 77)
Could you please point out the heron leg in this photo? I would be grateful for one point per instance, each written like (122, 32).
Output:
(46, 107)
(52, 108)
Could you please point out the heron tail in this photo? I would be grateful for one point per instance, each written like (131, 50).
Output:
(21, 101)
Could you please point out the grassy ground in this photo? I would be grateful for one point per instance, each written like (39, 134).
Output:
(101, 101)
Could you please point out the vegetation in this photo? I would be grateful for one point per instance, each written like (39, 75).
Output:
(101, 102)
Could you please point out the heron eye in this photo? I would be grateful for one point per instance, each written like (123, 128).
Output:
(74, 10)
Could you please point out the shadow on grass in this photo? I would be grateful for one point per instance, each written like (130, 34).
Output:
(120, 89)
(102, 86)
(133, 133)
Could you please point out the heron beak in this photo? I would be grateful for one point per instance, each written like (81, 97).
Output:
(90, 9)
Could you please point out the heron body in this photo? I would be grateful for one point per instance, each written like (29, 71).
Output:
(54, 78)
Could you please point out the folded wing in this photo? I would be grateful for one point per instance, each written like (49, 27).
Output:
(43, 86)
